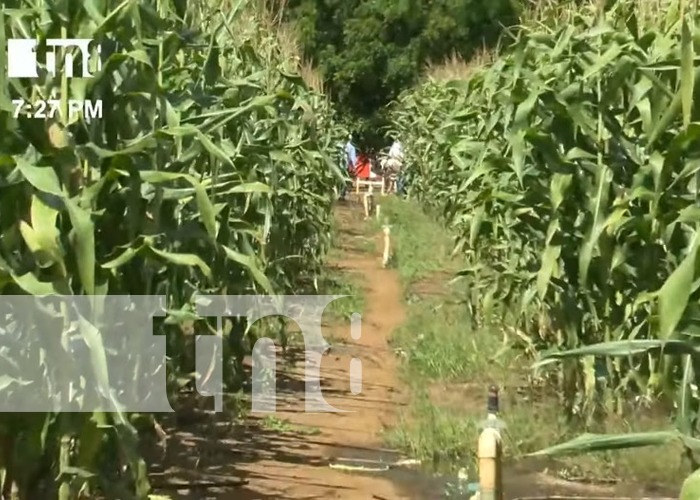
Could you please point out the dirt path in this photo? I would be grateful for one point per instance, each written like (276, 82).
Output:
(292, 461)
(357, 432)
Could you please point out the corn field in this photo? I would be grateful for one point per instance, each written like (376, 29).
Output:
(568, 168)
(208, 173)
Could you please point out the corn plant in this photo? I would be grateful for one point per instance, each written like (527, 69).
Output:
(687, 398)
(568, 170)
(208, 173)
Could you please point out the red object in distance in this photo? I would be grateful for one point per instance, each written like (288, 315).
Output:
(362, 167)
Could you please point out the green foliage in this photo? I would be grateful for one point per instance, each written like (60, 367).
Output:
(570, 179)
(569, 170)
(369, 51)
(691, 487)
(208, 173)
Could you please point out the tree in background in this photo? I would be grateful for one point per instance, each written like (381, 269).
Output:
(368, 51)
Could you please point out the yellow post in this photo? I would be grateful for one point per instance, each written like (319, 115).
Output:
(489, 453)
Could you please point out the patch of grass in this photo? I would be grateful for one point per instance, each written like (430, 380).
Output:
(435, 435)
(438, 344)
(448, 366)
(281, 425)
(237, 405)
(442, 424)
(421, 246)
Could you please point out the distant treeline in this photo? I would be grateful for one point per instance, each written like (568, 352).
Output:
(368, 51)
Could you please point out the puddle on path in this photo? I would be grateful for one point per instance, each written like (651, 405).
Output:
(413, 481)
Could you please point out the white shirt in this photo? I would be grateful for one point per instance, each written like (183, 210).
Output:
(396, 151)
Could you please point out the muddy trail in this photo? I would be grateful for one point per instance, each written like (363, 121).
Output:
(292, 454)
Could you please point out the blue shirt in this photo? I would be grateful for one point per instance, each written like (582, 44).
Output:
(350, 154)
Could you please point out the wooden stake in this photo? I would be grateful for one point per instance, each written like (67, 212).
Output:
(387, 246)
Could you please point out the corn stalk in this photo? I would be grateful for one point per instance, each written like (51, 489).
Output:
(568, 169)
(208, 173)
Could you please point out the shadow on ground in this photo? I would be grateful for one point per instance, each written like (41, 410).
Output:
(206, 454)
